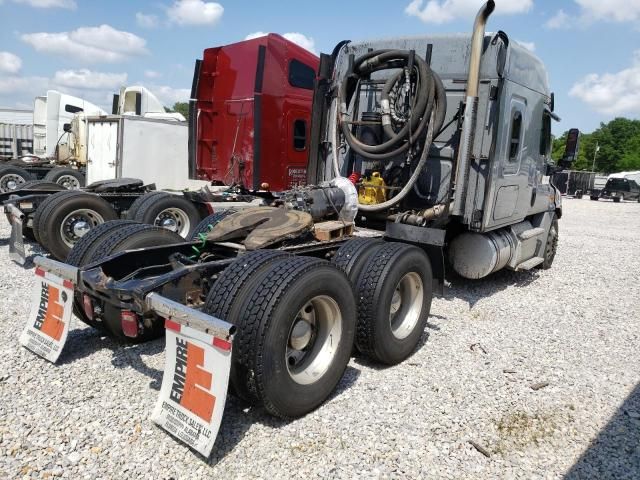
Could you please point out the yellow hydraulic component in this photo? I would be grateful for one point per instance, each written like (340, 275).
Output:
(372, 190)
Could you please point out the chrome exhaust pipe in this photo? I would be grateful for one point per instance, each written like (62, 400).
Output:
(471, 109)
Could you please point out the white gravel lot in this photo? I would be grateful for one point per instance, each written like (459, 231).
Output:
(575, 327)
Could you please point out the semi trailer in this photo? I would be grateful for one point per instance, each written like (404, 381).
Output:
(426, 153)
(248, 136)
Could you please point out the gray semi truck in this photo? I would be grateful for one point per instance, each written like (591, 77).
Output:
(426, 153)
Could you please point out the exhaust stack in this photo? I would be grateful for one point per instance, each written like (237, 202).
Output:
(470, 112)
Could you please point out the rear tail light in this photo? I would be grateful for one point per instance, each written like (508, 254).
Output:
(129, 323)
(87, 304)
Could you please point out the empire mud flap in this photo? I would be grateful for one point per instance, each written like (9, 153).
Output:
(51, 307)
(16, 241)
(196, 373)
(197, 359)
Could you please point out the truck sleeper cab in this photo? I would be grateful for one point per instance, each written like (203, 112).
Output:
(250, 114)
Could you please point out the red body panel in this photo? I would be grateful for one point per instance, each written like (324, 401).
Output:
(246, 109)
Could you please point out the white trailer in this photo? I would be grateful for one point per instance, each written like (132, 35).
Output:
(124, 146)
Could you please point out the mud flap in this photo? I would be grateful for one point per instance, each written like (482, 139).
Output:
(196, 376)
(16, 242)
(50, 318)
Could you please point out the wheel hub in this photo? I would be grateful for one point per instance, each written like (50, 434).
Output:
(300, 335)
(81, 228)
(406, 305)
(77, 224)
(169, 224)
(175, 220)
(10, 182)
(69, 182)
(313, 340)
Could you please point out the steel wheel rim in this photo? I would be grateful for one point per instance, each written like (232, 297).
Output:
(77, 224)
(175, 220)
(10, 181)
(406, 305)
(313, 340)
(69, 182)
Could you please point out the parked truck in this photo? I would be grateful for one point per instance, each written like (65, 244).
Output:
(622, 186)
(425, 152)
(60, 138)
(248, 137)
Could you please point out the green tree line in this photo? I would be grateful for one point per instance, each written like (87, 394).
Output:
(619, 147)
(179, 107)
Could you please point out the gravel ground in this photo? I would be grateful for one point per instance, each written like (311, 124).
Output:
(574, 331)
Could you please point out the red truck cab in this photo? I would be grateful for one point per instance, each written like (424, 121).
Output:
(250, 114)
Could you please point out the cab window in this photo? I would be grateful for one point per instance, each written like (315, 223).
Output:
(299, 135)
(545, 135)
(516, 136)
(301, 75)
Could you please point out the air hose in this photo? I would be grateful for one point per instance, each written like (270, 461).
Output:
(427, 106)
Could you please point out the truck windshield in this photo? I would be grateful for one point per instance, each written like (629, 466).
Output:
(619, 184)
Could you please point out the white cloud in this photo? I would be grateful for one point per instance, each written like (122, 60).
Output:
(89, 44)
(146, 21)
(612, 93)
(10, 63)
(559, 20)
(152, 74)
(87, 79)
(531, 46)
(613, 10)
(442, 11)
(305, 42)
(195, 12)
(70, 4)
(28, 85)
(169, 95)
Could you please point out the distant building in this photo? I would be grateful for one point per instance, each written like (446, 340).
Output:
(16, 116)
(16, 132)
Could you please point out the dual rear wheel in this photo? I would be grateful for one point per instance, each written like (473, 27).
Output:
(67, 216)
(298, 318)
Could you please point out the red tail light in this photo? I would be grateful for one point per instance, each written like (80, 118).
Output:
(129, 323)
(87, 304)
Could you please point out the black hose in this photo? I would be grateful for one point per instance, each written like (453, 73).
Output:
(429, 95)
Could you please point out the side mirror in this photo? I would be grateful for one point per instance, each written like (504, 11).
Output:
(571, 149)
(67, 127)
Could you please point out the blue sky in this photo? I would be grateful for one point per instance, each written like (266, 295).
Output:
(90, 48)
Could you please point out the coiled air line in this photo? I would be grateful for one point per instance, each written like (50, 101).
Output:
(427, 109)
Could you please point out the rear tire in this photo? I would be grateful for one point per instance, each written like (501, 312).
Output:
(353, 255)
(295, 334)
(128, 236)
(616, 200)
(161, 209)
(229, 292)
(66, 218)
(79, 256)
(39, 214)
(394, 293)
(69, 178)
(11, 177)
